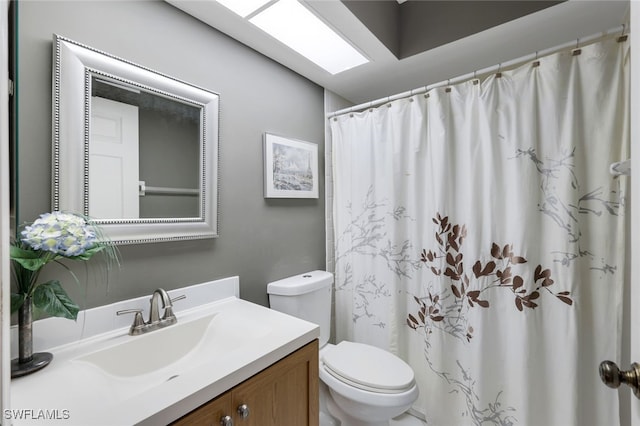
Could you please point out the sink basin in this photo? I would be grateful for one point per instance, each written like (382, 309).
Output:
(150, 352)
(182, 345)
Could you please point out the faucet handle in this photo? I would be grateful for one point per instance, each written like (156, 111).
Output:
(182, 296)
(169, 317)
(138, 321)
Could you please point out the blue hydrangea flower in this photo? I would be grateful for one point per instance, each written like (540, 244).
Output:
(64, 234)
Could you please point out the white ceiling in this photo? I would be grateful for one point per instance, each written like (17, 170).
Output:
(387, 75)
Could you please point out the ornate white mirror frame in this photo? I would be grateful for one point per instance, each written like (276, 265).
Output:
(75, 68)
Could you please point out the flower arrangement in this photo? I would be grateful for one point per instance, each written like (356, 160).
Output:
(49, 238)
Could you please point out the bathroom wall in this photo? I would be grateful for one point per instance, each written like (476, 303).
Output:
(260, 240)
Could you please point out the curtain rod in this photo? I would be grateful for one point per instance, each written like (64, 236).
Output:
(489, 70)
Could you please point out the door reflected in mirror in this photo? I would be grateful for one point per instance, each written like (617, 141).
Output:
(144, 154)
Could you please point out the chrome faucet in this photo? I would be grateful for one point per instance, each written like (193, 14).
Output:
(155, 322)
(154, 309)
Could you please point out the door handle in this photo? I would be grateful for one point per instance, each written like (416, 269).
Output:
(613, 377)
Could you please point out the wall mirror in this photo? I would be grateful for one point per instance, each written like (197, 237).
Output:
(134, 149)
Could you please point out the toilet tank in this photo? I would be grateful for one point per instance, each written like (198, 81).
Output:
(306, 296)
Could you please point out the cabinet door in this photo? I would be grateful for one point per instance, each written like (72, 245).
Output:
(209, 414)
(285, 394)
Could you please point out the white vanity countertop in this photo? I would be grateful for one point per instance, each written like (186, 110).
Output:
(74, 392)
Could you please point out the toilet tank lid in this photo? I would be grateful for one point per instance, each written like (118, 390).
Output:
(300, 284)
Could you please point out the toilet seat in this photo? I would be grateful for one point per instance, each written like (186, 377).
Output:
(368, 368)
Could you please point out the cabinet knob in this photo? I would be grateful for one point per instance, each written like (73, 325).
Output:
(243, 410)
(226, 421)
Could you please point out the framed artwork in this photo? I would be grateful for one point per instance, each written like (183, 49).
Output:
(290, 168)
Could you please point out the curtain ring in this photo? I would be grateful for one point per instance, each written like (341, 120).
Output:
(499, 73)
(623, 36)
(536, 62)
(476, 81)
(577, 50)
(448, 88)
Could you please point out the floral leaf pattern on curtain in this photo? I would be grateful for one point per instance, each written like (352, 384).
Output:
(467, 288)
(366, 235)
(565, 212)
(447, 309)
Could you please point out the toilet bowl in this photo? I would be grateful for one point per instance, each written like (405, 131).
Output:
(367, 386)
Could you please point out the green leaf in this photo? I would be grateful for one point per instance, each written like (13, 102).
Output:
(51, 298)
(17, 253)
(16, 301)
(28, 259)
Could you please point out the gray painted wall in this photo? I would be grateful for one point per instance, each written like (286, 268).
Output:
(169, 157)
(260, 240)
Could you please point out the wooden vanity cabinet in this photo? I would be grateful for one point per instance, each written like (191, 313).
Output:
(283, 394)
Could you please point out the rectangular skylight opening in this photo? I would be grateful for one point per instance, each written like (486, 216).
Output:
(243, 8)
(294, 25)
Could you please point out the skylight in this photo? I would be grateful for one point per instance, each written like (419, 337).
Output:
(291, 23)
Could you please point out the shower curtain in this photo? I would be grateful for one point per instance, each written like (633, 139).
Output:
(479, 235)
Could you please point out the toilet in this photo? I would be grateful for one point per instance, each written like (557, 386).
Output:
(368, 386)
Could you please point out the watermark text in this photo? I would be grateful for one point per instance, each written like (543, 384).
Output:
(36, 414)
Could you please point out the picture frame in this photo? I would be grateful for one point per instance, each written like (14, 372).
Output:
(290, 168)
